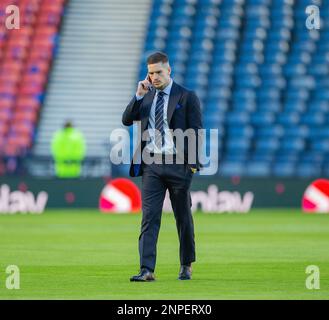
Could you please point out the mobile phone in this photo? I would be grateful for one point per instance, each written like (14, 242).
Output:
(150, 87)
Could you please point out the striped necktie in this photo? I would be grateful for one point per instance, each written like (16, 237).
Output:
(159, 136)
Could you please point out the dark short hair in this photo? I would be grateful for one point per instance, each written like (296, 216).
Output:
(157, 57)
(68, 124)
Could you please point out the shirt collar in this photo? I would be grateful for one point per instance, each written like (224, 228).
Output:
(167, 89)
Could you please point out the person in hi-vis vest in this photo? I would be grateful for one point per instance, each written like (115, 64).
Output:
(68, 149)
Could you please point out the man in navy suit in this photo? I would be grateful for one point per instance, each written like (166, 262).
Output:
(164, 160)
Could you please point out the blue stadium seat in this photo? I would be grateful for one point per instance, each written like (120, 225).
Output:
(292, 144)
(284, 169)
(231, 169)
(268, 144)
(258, 169)
(308, 169)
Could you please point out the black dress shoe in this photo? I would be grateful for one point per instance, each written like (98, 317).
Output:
(144, 275)
(185, 273)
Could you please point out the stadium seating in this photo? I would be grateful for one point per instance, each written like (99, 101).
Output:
(261, 75)
(25, 58)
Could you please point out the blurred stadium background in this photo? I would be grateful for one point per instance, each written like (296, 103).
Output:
(261, 75)
(263, 80)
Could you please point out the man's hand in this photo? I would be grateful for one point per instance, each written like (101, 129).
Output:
(194, 170)
(143, 87)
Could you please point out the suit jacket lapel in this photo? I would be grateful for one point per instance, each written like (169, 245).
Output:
(173, 100)
(148, 100)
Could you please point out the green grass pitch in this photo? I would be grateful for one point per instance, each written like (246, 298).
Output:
(83, 254)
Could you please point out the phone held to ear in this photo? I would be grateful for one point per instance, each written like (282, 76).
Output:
(150, 87)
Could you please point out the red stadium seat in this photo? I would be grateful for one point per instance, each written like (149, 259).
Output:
(25, 115)
(16, 145)
(27, 20)
(20, 140)
(52, 7)
(3, 128)
(50, 18)
(5, 115)
(46, 30)
(22, 128)
(55, 1)
(41, 41)
(22, 42)
(35, 79)
(27, 103)
(8, 88)
(30, 89)
(22, 33)
(13, 77)
(16, 52)
(41, 53)
(36, 66)
(11, 66)
(29, 6)
(30, 2)
(6, 104)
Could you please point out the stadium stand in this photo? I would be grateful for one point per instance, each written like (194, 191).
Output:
(25, 58)
(261, 75)
(95, 71)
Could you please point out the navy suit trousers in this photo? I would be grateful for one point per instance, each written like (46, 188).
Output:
(156, 180)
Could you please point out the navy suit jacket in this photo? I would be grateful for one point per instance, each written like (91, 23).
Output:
(184, 113)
